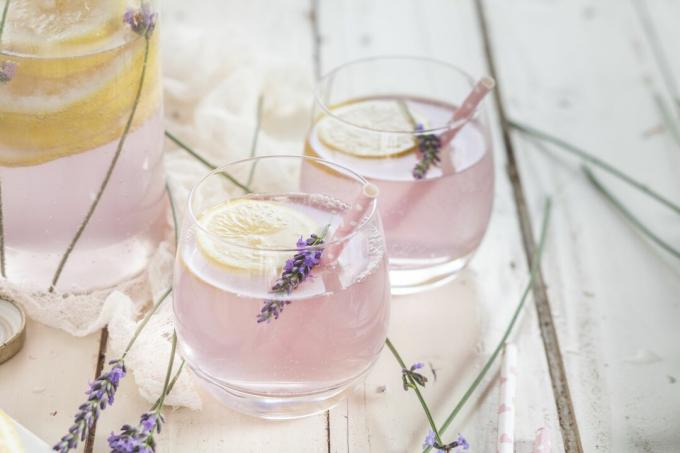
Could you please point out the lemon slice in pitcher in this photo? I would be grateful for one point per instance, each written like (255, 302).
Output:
(36, 24)
(358, 132)
(240, 229)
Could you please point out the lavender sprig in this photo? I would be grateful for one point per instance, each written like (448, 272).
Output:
(431, 442)
(141, 21)
(429, 146)
(7, 71)
(295, 271)
(100, 394)
(412, 384)
(140, 439)
(413, 375)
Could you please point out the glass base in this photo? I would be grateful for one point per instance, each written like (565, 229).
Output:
(408, 276)
(278, 407)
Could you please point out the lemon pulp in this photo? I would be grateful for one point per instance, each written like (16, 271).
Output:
(239, 233)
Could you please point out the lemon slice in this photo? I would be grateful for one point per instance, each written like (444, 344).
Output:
(378, 115)
(34, 25)
(9, 439)
(240, 224)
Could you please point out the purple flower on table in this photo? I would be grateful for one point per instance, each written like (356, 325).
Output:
(295, 271)
(142, 20)
(429, 146)
(139, 439)
(414, 376)
(100, 394)
(458, 444)
(430, 439)
(7, 71)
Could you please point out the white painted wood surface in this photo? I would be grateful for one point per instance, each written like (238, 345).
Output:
(581, 69)
(584, 70)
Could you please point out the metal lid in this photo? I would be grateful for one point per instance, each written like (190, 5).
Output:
(12, 329)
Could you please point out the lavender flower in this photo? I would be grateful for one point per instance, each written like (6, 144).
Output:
(142, 21)
(429, 146)
(413, 374)
(295, 271)
(7, 71)
(100, 394)
(431, 441)
(138, 439)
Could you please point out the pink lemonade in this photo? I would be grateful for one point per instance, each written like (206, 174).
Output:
(324, 341)
(62, 116)
(432, 225)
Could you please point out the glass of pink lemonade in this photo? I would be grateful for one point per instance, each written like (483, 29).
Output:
(394, 121)
(281, 303)
(70, 72)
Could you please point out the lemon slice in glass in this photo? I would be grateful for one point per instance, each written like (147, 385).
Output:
(358, 132)
(9, 439)
(240, 231)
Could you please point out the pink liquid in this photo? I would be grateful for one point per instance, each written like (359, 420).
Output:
(435, 221)
(329, 335)
(44, 204)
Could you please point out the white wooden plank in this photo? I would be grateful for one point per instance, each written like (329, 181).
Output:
(214, 428)
(584, 70)
(453, 327)
(43, 385)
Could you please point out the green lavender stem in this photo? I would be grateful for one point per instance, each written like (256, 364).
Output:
(595, 161)
(3, 18)
(165, 295)
(532, 278)
(253, 143)
(204, 161)
(144, 322)
(159, 403)
(426, 409)
(627, 214)
(109, 172)
(671, 123)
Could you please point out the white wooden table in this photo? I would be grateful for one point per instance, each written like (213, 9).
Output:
(601, 368)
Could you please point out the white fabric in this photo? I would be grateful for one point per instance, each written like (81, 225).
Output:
(218, 57)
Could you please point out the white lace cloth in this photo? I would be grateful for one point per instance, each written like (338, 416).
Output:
(219, 57)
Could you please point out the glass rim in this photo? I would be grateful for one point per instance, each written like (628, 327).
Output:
(327, 109)
(373, 211)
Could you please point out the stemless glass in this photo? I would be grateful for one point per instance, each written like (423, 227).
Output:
(374, 116)
(243, 225)
(70, 75)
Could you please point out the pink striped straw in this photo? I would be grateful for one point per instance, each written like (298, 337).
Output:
(465, 114)
(350, 221)
(506, 409)
(542, 442)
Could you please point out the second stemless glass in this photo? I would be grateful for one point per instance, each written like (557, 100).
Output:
(374, 116)
(323, 335)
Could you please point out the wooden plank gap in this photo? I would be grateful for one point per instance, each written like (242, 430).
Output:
(328, 430)
(561, 393)
(101, 359)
